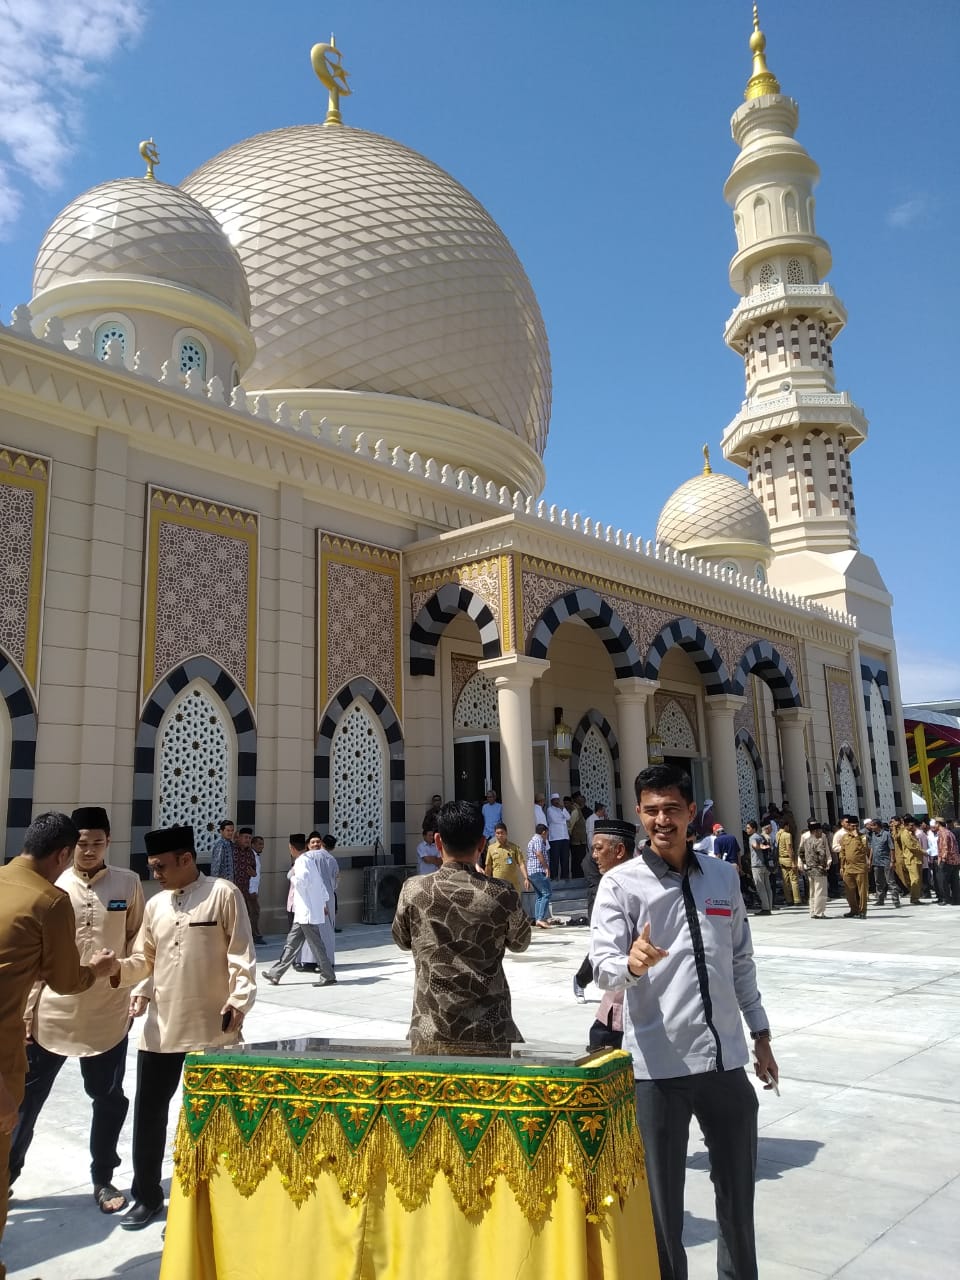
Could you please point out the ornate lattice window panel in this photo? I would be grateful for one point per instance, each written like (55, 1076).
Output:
(357, 778)
(768, 275)
(477, 706)
(881, 752)
(193, 356)
(795, 272)
(675, 729)
(747, 785)
(849, 802)
(596, 770)
(107, 333)
(195, 766)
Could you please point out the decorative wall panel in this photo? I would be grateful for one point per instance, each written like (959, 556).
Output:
(195, 767)
(747, 784)
(674, 728)
(462, 669)
(200, 588)
(843, 726)
(477, 707)
(596, 771)
(357, 783)
(24, 499)
(359, 618)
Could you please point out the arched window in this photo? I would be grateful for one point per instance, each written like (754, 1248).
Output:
(477, 706)
(109, 331)
(795, 273)
(729, 566)
(759, 572)
(761, 218)
(791, 219)
(195, 764)
(881, 752)
(849, 801)
(357, 778)
(596, 770)
(747, 784)
(768, 275)
(675, 729)
(193, 355)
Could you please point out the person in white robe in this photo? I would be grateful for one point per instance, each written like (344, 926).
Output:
(312, 908)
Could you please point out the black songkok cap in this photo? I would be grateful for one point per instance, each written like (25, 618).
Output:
(625, 831)
(298, 838)
(91, 818)
(169, 840)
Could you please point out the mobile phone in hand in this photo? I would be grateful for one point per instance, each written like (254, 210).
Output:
(225, 1020)
(769, 1080)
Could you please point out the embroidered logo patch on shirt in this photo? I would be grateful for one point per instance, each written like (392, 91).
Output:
(718, 907)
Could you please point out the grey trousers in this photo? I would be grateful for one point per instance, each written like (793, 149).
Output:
(300, 933)
(725, 1105)
(761, 878)
(886, 881)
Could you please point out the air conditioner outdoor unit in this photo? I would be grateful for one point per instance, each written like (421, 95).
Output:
(381, 892)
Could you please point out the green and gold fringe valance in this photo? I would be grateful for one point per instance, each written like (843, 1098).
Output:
(528, 1125)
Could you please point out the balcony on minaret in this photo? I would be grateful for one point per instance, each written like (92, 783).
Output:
(790, 410)
(782, 299)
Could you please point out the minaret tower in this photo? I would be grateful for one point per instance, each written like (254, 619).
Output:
(795, 432)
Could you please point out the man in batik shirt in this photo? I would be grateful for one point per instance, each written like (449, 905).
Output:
(458, 923)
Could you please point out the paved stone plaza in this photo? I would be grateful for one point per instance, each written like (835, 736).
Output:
(859, 1159)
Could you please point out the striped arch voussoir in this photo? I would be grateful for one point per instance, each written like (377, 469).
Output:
(433, 619)
(846, 752)
(23, 751)
(365, 690)
(763, 660)
(871, 670)
(598, 614)
(685, 633)
(744, 738)
(144, 756)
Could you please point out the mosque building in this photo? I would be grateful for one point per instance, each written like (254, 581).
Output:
(271, 453)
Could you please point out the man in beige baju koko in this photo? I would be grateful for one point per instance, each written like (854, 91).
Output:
(855, 867)
(37, 943)
(195, 962)
(90, 1025)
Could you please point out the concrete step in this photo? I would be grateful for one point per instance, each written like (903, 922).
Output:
(569, 899)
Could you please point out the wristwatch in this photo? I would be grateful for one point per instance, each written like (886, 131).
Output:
(761, 1035)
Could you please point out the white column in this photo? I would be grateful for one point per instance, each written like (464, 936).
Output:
(514, 676)
(791, 722)
(721, 733)
(631, 696)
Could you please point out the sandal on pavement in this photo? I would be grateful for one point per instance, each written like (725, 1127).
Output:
(106, 1192)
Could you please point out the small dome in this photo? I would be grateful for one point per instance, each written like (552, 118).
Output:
(373, 270)
(137, 228)
(713, 514)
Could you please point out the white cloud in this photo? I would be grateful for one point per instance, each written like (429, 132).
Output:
(928, 677)
(907, 212)
(50, 51)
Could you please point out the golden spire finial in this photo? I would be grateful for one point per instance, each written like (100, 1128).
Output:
(763, 81)
(326, 63)
(707, 469)
(148, 150)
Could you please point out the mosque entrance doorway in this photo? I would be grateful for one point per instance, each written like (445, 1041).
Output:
(695, 769)
(476, 767)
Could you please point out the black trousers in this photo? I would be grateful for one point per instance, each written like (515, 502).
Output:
(591, 873)
(725, 1105)
(559, 858)
(158, 1075)
(103, 1081)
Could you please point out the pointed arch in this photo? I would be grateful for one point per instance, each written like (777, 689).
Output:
(873, 672)
(363, 690)
(23, 752)
(764, 660)
(433, 619)
(685, 633)
(744, 738)
(235, 704)
(598, 614)
(593, 719)
(845, 765)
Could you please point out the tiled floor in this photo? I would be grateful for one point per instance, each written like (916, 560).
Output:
(859, 1174)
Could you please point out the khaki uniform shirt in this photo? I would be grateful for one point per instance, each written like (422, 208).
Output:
(909, 845)
(785, 854)
(194, 953)
(37, 942)
(109, 911)
(505, 862)
(854, 854)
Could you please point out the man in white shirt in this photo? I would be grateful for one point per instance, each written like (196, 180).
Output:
(428, 855)
(195, 962)
(312, 907)
(90, 1025)
(558, 834)
(539, 813)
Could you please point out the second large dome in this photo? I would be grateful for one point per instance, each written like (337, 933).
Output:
(371, 269)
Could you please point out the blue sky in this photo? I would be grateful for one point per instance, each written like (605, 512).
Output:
(598, 137)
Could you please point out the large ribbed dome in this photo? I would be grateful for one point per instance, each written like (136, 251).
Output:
(137, 228)
(713, 512)
(371, 269)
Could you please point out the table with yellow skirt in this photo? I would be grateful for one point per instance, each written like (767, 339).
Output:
(354, 1168)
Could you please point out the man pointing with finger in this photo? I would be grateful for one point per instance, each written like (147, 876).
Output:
(671, 929)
